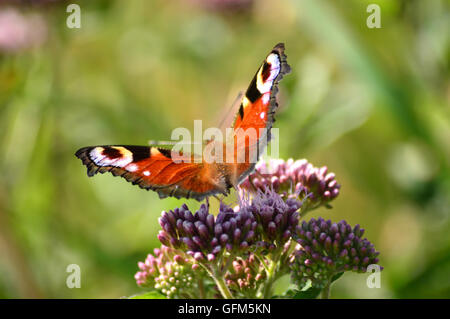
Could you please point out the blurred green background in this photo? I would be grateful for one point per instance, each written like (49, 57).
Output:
(371, 104)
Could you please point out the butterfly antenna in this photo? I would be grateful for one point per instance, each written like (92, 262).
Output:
(154, 142)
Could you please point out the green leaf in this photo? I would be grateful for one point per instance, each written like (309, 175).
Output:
(337, 276)
(149, 295)
(311, 293)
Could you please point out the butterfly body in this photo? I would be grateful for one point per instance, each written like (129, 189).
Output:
(155, 168)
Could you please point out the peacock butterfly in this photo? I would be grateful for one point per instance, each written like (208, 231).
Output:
(154, 168)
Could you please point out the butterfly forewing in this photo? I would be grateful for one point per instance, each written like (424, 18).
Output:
(149, 167)
(257, 109)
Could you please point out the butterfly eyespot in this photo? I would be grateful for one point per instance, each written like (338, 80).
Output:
(266, 71)
(108, 156)
(110, 152)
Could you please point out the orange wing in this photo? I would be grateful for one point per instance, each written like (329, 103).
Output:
(256, 112)
(153, 168)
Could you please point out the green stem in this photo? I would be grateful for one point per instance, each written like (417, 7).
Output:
(325, 294)
(223, 288)
(267, 292)
(271, 276)
(219, 280)
(261, 260)
(227, 265)
(201, 289)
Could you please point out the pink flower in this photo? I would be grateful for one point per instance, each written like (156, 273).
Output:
(20, 32)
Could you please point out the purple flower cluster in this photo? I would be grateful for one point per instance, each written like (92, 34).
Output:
(328, 248)
(168, 272)
(299, 178)
(276, 218)
(204, 236)
(243, 252)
